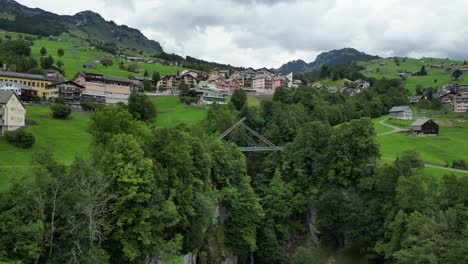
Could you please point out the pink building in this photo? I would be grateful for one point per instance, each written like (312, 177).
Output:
(263, 82)
(280, 81)
(233, 85)
(115, 90)
(219, 81)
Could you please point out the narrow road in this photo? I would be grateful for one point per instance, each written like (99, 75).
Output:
(395, 129)
(445, 168)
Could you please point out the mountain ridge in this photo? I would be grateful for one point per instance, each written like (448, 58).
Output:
(85, 24)
(334, 58)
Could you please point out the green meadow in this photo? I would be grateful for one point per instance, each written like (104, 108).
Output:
(171, 112)
(436, 78)
(68, 138)
(78, 52)
(451, 143)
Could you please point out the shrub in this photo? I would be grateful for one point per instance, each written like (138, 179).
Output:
(459, 163)
(59, 100)
(188, 100)
(20, 138)
(60, 111)
(86, 106)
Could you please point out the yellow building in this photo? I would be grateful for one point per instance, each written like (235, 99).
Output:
(34, 81)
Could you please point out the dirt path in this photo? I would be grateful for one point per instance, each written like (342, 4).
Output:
(395, 129)
(445, 168)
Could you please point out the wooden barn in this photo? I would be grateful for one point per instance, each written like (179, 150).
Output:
(425, 126)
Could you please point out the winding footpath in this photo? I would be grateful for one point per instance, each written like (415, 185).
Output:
(398, 130)
(395, 128)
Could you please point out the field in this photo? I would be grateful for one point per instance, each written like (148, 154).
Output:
(171, 112)
(68, 138)
(78, 52)
(435, 78)
(450, 145)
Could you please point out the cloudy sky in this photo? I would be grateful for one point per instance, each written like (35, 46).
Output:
(272, 32)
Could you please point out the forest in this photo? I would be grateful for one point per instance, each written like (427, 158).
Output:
(150, 194)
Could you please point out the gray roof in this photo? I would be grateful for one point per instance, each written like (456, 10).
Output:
(5, 96)
(420, 121)
(16, 85)
(21, 75)
(399, 108)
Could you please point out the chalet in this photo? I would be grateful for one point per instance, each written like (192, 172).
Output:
(136, 59)
(404, 74)
(362, 84)
(56, 39)
(296, 83)
(93, 97)
(209, 95)
(224, 73)
(334, 89)
(89, 65)
(232, 85)
(12, 86)
(414, 99)
(172, 82)
(424, 126)
(219, 82)
(189, 78)
(236, 75)
(55, 74)
(460, 102)
(249, 73)
(401, 112)
(444, 95)
(318, 85)
(464, 70)
(12, 112)
(263, 71)
(189, 72)
(35, 81)
(115, 90)
(69, 91)
(214, 74)
(437, 66)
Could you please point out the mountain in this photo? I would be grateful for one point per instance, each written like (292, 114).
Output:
(334, 58)
(296, 66)
(86, 25)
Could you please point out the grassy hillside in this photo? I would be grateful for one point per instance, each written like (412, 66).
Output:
(78, 52)
(450, 145)
(436, 78)
(171, 112)
(68, 138)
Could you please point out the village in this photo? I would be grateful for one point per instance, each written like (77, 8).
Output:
(96, 89)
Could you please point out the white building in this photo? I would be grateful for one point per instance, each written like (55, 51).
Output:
(13, 87)
(401, 112)
(12, 112)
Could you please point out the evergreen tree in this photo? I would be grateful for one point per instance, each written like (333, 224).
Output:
(43, 51)
(60, 52)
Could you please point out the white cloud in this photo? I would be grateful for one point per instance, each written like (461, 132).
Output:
(272, 32)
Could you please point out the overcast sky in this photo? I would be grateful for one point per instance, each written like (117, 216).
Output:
(272, 32)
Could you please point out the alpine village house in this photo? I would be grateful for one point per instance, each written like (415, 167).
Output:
(12, 112)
